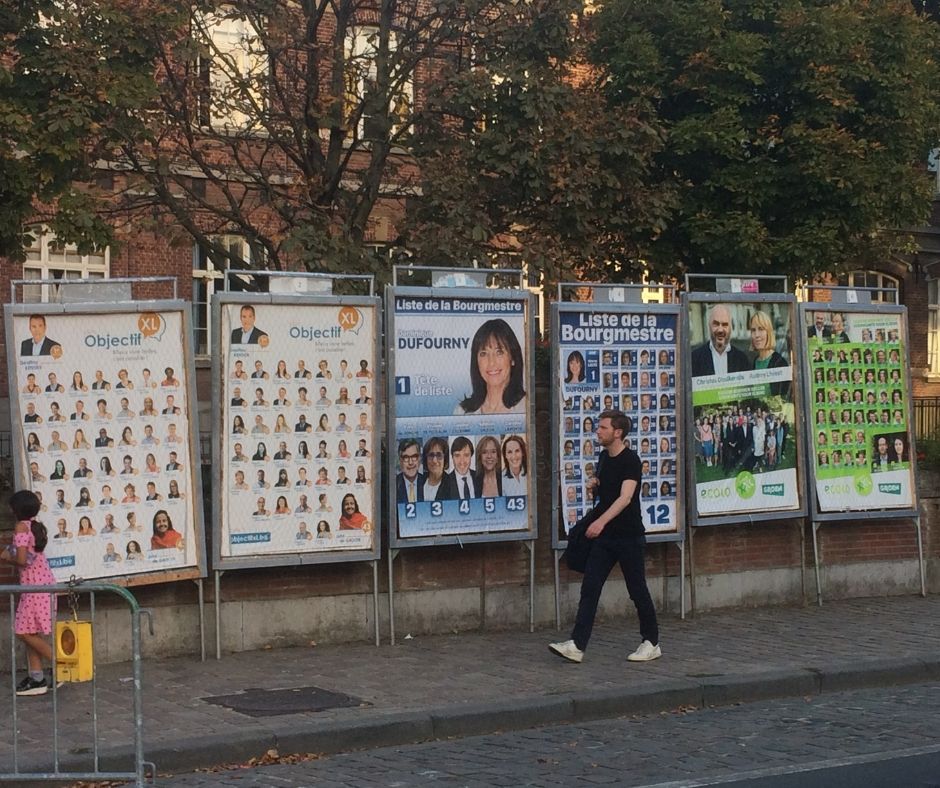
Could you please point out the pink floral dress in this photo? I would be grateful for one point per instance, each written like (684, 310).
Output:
(34, 613)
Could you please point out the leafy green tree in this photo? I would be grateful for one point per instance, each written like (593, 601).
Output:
(288, 123)
(520, 156)
(796, 130)
(73, 73)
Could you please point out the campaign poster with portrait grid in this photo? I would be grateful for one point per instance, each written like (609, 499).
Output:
(460, 442)
(860, 433)
(744, 424)
(298, 432)
(104, 425)
(625, 360)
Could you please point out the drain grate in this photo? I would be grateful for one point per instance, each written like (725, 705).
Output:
(296, 700)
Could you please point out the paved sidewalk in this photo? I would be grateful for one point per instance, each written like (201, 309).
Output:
(436, 687)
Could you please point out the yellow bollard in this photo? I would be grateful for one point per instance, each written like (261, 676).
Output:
(73, 651)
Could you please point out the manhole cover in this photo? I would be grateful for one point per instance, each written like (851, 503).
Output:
(296, 700)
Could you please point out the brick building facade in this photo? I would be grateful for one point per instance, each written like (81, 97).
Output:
(485, 585)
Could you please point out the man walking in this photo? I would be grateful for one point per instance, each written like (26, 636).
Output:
(618, 536)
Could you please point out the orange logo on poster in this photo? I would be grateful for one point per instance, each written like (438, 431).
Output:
(349, 318)
(149, 324)
(264, 340)
(56, 351)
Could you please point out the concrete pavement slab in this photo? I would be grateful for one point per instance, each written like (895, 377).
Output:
(455, 685)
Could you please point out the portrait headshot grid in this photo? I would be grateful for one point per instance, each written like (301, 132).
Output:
(461, 449)
(639, 380)
(106, 434)
(299, 422)
(859, 403)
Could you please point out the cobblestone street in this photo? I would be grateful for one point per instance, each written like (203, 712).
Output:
(683, 745)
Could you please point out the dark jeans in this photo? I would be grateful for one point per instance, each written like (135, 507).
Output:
(605, 553)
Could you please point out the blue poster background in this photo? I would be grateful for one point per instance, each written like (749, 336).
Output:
(625, 361)
(431, 373)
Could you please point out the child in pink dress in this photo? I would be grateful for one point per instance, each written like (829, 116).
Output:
(35, 612)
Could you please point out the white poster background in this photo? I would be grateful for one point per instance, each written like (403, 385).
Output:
(314, 442)
(105, 414)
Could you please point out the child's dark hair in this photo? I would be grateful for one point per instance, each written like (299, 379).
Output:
(25, 505)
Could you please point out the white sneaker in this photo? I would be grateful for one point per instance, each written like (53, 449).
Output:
(645, 652)
(568, 650)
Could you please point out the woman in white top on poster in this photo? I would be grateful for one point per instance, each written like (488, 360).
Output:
(516, 462)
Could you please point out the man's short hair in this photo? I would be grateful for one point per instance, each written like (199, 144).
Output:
(406, 444)
(460, 444)
(711, 312)
(618, 420)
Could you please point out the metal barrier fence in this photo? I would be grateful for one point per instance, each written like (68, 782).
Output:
(28, 729)
(927, 417)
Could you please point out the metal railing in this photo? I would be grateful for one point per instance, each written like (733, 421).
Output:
(926, 417)
(30, 728)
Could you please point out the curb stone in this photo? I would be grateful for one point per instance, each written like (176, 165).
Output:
(396, 728)
(533, 711)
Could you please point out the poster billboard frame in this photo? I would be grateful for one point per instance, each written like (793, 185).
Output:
(530, 534)
(873, 308)
(171, 574)
(693, 518)
(678, 535)
(220, 459)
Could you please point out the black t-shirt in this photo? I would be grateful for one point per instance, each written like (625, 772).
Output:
(612, 473)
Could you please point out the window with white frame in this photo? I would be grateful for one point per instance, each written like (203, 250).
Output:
(360, 77)
(233, 71)
(884, 284)
(209, 277)
(47, 258)
(933, 328)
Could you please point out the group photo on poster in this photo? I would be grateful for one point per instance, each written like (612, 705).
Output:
(618, 361)
(104, 414)
(461, 395)
(743, 407)
(298, 428)
(860, 432)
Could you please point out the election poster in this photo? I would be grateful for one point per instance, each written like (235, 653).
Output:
(619, 360)
(860, 433)
(298, 429)
(104, 419)
(461, 389)
(744, 397)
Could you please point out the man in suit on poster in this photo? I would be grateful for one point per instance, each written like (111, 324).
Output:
(38, 344)
(248, 334)
(718, 356)
(744, 444)
(409, 483)
(819, 330)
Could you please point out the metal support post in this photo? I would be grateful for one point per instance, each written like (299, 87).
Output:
(802, 527)
(375, 599)
(819, 599)
(531, 546)
(557, 555)
(691, 573)
(681, 546)
(218, 613)
(920, 557)
(391, 596)
(202, 618)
